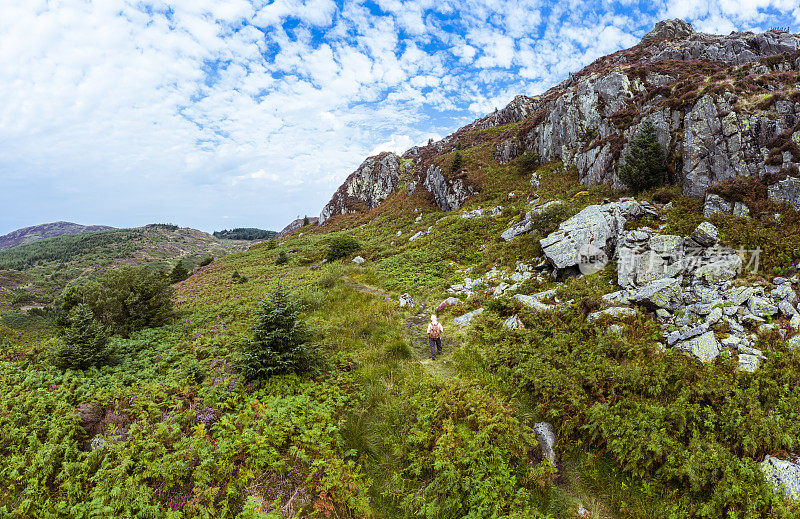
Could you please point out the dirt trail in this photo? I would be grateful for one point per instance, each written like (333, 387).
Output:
(361, 287)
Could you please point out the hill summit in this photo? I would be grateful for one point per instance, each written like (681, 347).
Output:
(46, 230)
(723, 106)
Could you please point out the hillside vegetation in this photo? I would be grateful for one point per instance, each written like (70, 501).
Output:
(654, 374)
(171, 427)
(36, 272)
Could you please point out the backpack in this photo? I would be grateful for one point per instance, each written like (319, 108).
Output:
(436, 331)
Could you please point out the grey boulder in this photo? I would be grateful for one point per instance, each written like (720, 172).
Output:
(704, 348)
(467, 318)
(662, 293)
(783, 475)
(705, 234)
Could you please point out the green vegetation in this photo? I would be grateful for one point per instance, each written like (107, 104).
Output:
(50, 265)
(457, 162)
(125, 300)
(282, 258)
(341, 246)
(84, 343)
(527, 163)
(245, 233)
(178, 273)
(645, 165)
(279, 342)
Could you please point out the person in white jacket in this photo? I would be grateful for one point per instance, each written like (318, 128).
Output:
(435, 330)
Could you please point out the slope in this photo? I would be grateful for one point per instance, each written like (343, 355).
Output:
(35, 273)
(46, 230)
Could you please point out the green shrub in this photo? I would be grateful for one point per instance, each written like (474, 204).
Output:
(330, 277)
(398, 349)
(125, 300)
(85, 342)
(280, 341)
(645, 165)
(271, 244)
(503, 306)
(699, 430)
(205, 261)
(282, 258)
(238, 278)
(548, 220)
(527, 163)
(341, 246)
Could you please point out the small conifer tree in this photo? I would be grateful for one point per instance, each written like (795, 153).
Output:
(457, 162)
(85, 341)
(645, 164)
(279, 341)
(282, 258)
(178, 273)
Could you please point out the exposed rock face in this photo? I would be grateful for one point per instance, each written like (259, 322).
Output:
(669, 29)
(786, 191)
(447, 195)
(374, 180)
(467, 318)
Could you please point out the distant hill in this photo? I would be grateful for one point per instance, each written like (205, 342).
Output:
(46, 230)
(37, 272)
(245, 233)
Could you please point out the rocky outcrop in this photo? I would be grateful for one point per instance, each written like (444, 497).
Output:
(709, 134)
(597, 225)
(369, 185)
(467, 318)
(295, 225)
(669, 29)
(722, 106)
(448, 195)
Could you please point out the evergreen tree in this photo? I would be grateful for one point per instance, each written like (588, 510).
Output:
(279, 341)
(179, 273)
(645, 164)
(282, 258)
(85, 341)
(458, 161)
(306, 221)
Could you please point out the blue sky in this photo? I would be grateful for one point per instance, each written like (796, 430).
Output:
(214, 114)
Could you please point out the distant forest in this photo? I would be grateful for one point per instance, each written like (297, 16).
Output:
(245, 233)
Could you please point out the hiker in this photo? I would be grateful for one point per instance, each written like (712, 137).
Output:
(435, 330)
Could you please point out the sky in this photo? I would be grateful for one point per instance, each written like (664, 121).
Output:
(219, 114)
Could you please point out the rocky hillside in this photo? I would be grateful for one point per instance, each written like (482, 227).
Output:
(46, 230)
(723, 106)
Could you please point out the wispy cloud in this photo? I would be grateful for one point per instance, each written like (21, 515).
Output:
(125, 111)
